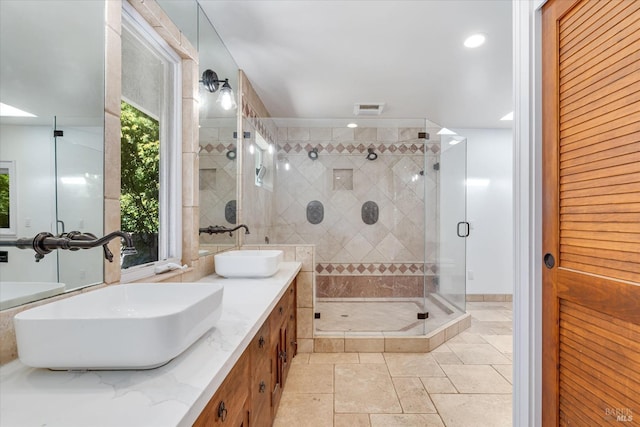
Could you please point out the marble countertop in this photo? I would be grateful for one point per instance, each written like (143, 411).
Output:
(171, 395)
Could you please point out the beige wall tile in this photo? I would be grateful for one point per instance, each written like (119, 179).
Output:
(111, 156)
(112, 223)
(304, 284)
(436, 340)
(113, 17)
(305, 322)
(304, 254)
(190, 120)
(189, 179)
(451, 331)
(328, 345)
(406, 345)
(189, 224)
(113, 76)
(364, 345)
(305, 345)
(190, 79)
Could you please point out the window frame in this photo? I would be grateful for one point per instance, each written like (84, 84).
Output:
(170, 193)
(12, 230)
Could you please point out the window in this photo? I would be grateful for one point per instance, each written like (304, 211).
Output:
(151, 189)
(8, 226)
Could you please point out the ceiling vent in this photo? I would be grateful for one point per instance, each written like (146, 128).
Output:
(368, 109)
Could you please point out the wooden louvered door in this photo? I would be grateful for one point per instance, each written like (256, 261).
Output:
(591, 212)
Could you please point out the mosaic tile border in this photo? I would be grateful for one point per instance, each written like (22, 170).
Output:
(359, 148)
(256, 121)
(376, 269)
(220, 148)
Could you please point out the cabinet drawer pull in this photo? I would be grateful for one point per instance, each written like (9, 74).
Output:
(262, 387)
(281, 310)
(261, 342)
(222, 411)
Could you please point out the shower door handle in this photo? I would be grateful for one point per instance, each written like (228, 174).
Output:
(59, 221)
(466, 229)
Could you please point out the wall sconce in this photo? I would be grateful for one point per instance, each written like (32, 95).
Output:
(313, 154)
(372, 155)
(285, 160)
(226, 98)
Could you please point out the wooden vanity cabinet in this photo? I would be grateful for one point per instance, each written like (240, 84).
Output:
(230, 405)
(250, 394)
(259, 349)
(283, 342)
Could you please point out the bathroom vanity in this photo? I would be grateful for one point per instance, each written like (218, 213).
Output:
(232, 376)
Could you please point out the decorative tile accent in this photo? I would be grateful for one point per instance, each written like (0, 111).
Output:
(359, 148)
(388, 269)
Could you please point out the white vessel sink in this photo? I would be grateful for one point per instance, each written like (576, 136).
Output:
(248, 263)
(132, 326)
(17, 293)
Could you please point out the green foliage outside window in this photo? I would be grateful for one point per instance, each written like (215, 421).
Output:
(4, 200)
(140, 175)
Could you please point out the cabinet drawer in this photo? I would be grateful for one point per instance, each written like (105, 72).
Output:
(228, 406)
(259, 346)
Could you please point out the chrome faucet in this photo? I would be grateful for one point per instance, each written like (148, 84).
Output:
(44, 243)
(217, 229)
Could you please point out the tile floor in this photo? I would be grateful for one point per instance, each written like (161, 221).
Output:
(465, 382)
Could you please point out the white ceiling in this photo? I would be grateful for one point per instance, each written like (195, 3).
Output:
(316, 58)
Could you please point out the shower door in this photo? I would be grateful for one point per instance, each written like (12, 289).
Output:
(79, 197)
(454, 227)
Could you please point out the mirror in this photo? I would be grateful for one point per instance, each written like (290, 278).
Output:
(52, 70)
(217, 134)
(218, 137)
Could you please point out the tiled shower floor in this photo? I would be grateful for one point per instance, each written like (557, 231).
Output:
(464, 382)
(380, 317)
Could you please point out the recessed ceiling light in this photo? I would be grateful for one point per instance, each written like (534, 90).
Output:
(445, 131)
(508, 116)
(475, 40)
(352, 125)
(9, 111)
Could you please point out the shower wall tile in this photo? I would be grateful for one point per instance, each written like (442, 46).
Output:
(365, 134)
(393, 182)
(320, 134)
(387, 134)
(369, 286)
(298, 134)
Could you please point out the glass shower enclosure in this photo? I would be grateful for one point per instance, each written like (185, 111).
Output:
(369, 199)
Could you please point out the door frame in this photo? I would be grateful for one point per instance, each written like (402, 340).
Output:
(527, 167)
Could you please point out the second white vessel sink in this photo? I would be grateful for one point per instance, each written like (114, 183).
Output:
(131, 326)
(248, 263)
